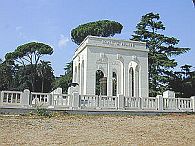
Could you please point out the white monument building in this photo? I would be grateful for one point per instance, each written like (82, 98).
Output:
(122, 65)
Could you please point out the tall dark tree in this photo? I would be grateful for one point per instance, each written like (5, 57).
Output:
(6, 72)
(45, 75)
(27, 57)
(193, 2)
(183, 82)
(43, 78)
(103, 28)
(161, 50)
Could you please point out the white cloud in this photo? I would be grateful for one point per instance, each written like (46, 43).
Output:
(18, 28)
(63, 41)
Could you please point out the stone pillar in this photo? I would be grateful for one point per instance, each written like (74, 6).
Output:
(141, 103)
(109, 81)
(121, 102)
(126, 82)
(193, 103)
(122, 78)
(75, 100)
(80, 78)
(1, 98)
(78, 73)
(160, 102)
(25, 98)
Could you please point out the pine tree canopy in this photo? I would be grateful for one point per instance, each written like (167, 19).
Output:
(162, 49)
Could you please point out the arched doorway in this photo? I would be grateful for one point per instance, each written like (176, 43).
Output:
(131, 82)
(114, 83)
(101, 83)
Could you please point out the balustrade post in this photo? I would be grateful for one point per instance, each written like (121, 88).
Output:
(51, 99)
(76, 100)
(160, 102)
(1, 98)
(141, 103)
(121, 102)
(193, 103)
(25, 101)
(70, 101)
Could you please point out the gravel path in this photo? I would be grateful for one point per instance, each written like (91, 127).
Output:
(98, 130)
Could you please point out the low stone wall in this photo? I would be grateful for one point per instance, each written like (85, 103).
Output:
(27, 100)
(22, 111)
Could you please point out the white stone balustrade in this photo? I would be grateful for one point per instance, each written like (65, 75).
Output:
(89, 101)
(149, 103)
(133, 102)
(40, 99)
(74, 101)
(60, 100)
(11, 98)
(108, 102)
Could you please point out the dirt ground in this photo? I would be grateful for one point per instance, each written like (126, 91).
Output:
(98, 130)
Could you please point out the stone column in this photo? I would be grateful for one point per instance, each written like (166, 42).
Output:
(1, 98)
(78, 73)
(126, 78)
(75, 100)
(193, 103)
(160, 102)
(25, 98)
(121, 102)
(109, 81)
(80, 78)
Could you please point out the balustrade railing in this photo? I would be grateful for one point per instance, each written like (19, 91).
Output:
(60, 100)
(75, 101)
(95, 101)
(132, 102)
(89, 101)
(40, 99)
(149, 103)
(141, 103)
(11, 98)
(108, 102)
(177, 104)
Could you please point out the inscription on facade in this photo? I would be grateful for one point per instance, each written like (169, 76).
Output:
(118, 43)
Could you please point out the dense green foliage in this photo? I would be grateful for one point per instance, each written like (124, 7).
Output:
(103, 28)
(183, 82)
(64, 80)
(161, 51)
(29, 53)
(43, 78)
(5, 76)
(26, 70)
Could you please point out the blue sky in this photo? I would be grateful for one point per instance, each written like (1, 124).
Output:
(51, 21)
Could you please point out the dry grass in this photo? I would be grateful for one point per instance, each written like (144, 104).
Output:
(98, 130)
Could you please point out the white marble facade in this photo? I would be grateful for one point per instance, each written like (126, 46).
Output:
(127, 59)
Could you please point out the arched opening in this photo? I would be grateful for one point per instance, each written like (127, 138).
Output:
(101, 83)
(137, 81)
(131, 82)
(114, 83)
